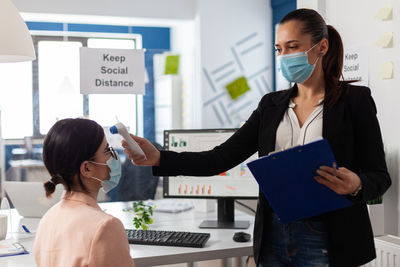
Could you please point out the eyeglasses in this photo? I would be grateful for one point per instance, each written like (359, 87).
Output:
(111, 150)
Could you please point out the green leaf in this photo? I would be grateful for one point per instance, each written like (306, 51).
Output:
(142, 214)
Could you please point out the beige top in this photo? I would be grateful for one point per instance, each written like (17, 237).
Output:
(76, 232)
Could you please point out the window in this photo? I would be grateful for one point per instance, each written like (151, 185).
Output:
(16, 100)
(108, 109)
(59, 95)
(34, 95)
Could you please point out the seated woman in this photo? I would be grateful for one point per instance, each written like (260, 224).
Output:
(76, 231)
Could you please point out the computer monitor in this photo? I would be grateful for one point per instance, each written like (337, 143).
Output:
(236, 183)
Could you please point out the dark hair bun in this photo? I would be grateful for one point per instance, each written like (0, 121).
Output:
(49, 187)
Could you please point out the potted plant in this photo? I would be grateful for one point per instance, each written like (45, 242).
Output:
(142, 214)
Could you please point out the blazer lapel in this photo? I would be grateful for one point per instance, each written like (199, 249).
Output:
(333, 126)
(272, 116)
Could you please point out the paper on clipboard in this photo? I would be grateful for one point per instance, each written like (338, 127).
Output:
(287, 180)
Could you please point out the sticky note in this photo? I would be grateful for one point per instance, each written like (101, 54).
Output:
(386, 71)
(171, 64)
(238, 87)
(385, 40)
(385, 13)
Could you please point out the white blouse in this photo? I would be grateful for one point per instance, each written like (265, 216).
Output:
(289, 132)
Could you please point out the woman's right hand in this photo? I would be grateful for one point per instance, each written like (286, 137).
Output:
(151, 152)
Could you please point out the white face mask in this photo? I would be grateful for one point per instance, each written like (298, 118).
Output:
(115, 175)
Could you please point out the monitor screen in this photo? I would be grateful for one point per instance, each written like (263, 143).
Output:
(237, 182)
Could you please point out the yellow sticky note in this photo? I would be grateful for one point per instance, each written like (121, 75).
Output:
(171, 64)
(385, 13)
(386, 71)
(385, 40)
(238, 87)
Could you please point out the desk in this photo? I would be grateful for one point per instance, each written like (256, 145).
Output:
(219, 246)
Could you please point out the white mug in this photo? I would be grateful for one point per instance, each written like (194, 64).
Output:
(3, 226)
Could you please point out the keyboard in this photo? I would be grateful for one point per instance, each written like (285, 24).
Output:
(167, 238)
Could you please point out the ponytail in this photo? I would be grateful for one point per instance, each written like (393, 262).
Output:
(332, 64)
(50, 185)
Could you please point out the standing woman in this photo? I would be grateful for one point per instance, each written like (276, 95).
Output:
(310, 54)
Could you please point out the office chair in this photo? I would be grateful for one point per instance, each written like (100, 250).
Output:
(137, 182)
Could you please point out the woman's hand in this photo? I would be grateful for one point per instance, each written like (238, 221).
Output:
(342, 180)
(151, 152)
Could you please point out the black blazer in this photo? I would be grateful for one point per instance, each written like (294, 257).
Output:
(352, 130)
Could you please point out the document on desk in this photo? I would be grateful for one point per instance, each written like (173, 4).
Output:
(287, 180)
(171, 205)
(10, 248)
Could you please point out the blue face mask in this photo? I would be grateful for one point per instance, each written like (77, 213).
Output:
(295, 67)
(115, 175)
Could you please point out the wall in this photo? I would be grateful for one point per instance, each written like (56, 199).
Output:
(235, 40)
(355, 22)
(223, 28)
(171, 9)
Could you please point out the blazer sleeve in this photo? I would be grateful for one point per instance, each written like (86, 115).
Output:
(240, 146)
(110, 246)
(369, 149)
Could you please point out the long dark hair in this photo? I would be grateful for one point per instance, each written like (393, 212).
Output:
(67, 144)
(313, 24)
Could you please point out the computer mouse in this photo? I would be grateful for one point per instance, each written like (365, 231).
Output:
(241, 237)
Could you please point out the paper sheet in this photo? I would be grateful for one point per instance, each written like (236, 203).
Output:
(385, 40)
(385, 13)
(171, 64)
(9, 248)
(238, 87)
(386, 71)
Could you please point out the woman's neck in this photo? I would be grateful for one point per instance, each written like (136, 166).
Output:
(314, 87)
(91, 188)
(89, 192)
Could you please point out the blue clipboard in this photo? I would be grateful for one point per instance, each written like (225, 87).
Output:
(287, 180)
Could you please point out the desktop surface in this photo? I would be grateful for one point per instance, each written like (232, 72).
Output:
(220, 245)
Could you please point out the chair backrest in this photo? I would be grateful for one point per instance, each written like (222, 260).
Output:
(137, 183)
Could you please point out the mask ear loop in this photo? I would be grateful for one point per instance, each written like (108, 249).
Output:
(316, 61)
(313, 47)
(320, 54)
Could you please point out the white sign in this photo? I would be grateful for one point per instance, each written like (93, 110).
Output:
(355, 64)
(112, 71)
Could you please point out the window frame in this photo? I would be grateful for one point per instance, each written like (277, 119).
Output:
(40, 35)
(83, 37)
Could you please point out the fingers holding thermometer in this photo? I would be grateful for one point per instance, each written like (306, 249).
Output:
(151, 154)
(120, 129)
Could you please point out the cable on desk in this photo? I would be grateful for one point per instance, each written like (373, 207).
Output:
(244, 205)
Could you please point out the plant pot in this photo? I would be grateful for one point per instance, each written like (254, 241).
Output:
(376, 215)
